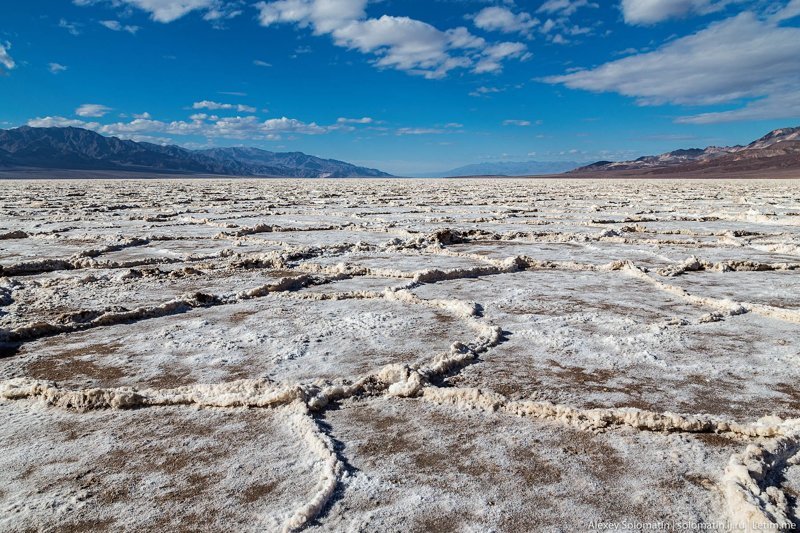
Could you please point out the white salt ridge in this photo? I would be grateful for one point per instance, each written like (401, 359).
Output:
(332, 468)
(473, 398)
(753, 504)
(724, 306)
(242, 393)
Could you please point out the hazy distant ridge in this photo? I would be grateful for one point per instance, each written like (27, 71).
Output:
(507, 168)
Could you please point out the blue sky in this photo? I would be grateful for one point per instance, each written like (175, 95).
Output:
(407, 86)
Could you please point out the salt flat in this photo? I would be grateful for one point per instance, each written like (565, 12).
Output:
(398, 355)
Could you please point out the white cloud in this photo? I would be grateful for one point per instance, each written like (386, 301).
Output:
(115, 25)
(493, 56)
(485, 91)
(516, 122)
(61, 122)
(652, 11)
(152, 139)
(5, 58)
(55, 68)
(208, 104)
(503, 19)
(170, 10)
(259, 63)
(771, 107)
(567, 7)
(401, 43)
(363, 120)
(557, 25)
(92, 110)
(420, 131)
(221, 11)
(790, 11)
(72, 27)
(241, 128)
(739, 58)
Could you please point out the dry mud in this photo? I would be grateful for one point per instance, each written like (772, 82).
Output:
(399, 355)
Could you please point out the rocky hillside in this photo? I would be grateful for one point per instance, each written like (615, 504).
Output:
(777, 149)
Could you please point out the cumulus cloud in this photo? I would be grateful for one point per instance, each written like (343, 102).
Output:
(740, 58)
(241, 128)
(61, 122)
(208, 104)
(170, 10)
(652, 11)
(504, 20)
(6, 62)
(790, 11)
(396, 42)
(771, 107)
(557, 25)
(566, 7)
(115, 25)
(220, 11)
(92, 110)
(492, 56)
(55, 68)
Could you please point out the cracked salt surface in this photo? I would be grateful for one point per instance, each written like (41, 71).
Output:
(398, 355)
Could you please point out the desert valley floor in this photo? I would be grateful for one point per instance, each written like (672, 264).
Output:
(398, 355)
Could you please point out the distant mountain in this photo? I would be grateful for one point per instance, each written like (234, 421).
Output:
(524, 168)
(779, 149)
(80, 149)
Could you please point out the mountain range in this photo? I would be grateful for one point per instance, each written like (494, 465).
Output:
(26, 149)
(81, 149)
(777, 150)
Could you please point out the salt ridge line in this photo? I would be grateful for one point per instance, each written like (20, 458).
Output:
(241, 393)
(600, 418)
(43, 266)
(751, 500)
(395, 380)
(83, 260)
(332, 468)
(83, 320)
(261, 393)
(272, 228)
(693, 264)
(402, 381)
(439, 239)
(78, 260)
(406, 382)
(399, 379)
(725, 306)
(753, 504)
